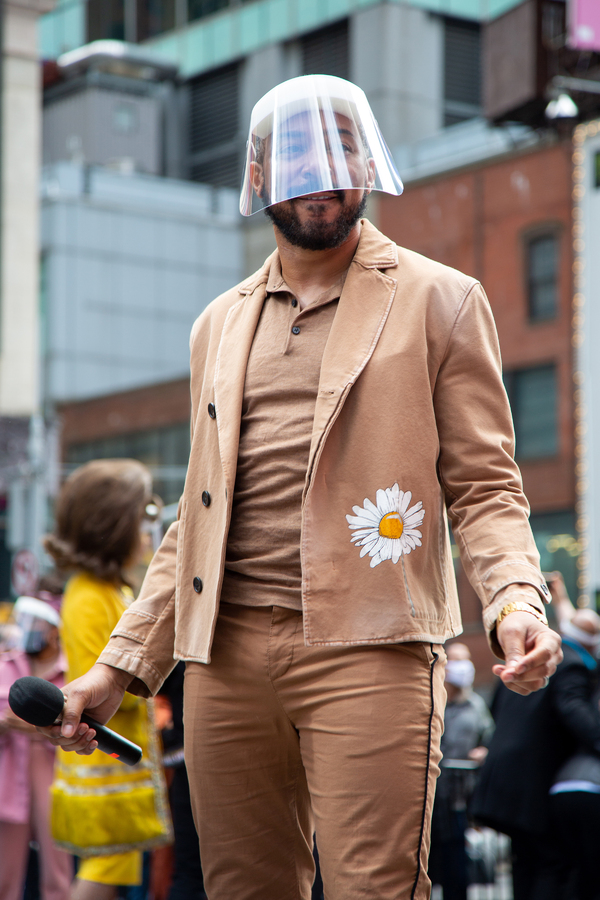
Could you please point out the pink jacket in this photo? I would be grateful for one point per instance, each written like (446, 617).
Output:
(14, 747)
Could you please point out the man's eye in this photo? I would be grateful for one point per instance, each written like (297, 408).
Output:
(292, 149)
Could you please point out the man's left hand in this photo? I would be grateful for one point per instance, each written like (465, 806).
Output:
(532, 652)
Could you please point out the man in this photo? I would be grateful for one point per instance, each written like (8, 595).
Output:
(468, 727)
(342, 397)
(534, 737)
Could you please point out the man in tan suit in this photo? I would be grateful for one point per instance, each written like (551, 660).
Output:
(345, 398)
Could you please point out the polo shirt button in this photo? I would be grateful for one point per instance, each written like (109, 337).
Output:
(212, 411)
(197, 582)
(296, 329)
(294, 302)
(206, 498)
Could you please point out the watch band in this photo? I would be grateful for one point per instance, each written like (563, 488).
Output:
(518, 606)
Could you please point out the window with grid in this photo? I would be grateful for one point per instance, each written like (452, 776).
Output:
(542, 277)
(214, 137)
(325, 52)
(105, 20)
(533, 401)
(462, 70)
(164, 450)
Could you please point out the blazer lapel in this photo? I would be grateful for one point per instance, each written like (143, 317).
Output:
(230, 373)
(362, 311)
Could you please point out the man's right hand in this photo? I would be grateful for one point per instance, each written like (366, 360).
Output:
(99, 692)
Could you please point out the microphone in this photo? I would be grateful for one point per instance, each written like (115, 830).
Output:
(40, 703)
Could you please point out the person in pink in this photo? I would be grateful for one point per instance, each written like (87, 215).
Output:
(27, 761)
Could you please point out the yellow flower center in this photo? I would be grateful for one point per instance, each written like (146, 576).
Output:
(391, 526)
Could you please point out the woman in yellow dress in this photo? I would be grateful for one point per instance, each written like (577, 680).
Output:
(102, 810)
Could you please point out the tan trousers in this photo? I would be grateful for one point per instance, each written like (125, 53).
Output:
(284, 740)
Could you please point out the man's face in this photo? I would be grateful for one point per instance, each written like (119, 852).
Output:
(300, 165)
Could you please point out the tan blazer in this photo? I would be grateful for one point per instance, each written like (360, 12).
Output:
(410, 402)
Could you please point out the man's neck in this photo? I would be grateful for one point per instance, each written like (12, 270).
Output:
(309, 273)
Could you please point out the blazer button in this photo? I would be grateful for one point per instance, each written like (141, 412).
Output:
(212, 411)
(197, 582)
(206, 498)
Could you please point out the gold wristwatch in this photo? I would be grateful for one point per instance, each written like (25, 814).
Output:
(518, 606)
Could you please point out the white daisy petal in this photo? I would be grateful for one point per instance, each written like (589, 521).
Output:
(383, 503)
(366, 521)
(371, 508)
(404, 502)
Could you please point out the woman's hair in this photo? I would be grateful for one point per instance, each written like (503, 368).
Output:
(98, 515)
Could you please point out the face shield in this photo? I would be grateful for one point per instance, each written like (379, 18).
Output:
(310, 135)
(35, 620)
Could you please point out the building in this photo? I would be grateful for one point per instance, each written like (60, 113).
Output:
(23, 444)
(506, 220)
(128, 263)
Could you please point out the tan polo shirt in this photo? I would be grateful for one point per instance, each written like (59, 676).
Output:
(262, 565)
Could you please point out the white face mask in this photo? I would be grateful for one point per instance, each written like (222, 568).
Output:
(460, 672)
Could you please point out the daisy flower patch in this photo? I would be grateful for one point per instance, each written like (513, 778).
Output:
(387, 529)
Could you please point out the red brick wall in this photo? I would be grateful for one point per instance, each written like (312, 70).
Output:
(152, 407)
(475, 220)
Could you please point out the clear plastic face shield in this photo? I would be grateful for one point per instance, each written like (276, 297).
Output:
(35, 620)
(311, 135)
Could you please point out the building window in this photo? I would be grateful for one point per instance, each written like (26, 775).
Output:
(214, 136)
(105, 20)
(164, 450)
(559, 549)
(154, 17)
(542, 277)
(532, 395)
(325, 52)
(462, 71)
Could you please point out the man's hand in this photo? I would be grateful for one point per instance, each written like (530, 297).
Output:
(99, 692)
(532, 652)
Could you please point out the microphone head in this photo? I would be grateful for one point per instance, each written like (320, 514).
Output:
(36, 700)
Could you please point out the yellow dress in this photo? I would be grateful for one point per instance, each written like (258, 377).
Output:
(103, 810)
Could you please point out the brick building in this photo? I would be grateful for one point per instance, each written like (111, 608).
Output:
(507, 222)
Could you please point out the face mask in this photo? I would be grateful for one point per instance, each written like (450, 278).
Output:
(460, 672)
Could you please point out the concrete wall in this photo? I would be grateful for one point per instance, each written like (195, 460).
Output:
(396, 56)
(19, 336)
(101, 126)
(129, 263)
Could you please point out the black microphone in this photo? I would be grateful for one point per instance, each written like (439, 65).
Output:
(40, 702)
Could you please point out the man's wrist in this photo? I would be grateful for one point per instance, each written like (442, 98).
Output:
(520, 606)
(120, 676)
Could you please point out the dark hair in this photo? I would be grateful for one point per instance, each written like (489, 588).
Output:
(98, 515)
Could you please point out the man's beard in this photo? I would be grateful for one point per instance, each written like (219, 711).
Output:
(317, 234)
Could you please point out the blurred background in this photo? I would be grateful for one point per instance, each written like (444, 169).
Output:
(123, 126)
